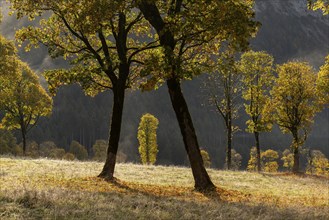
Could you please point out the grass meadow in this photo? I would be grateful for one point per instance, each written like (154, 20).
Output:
(55, 189)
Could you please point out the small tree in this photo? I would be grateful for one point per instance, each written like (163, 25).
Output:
(252, 163)
(78, 150)
(32, 149)
(147, 138)
(22, 99)
(7, 142)
(46, 147)
(295, 102)
(99, 149)
(205, 158)
(288, 159)
(269, 159)
(236, 160)
(223, 88)
(68, 156)
(317, 163)
(57, 153)
(257, 70)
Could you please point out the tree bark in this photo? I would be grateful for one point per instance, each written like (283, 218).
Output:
(24, 140)
(167, 41)
(201, 177)
(229, 145)
(116, 120)
(295, 168)
(259, 168)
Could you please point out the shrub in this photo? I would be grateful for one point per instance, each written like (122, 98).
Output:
(317, 163)
(78, 150)
(46, 147)
(269, 162)
(252, 163)
(100, 149)
(7, 142)
(288, 159)
(205, 158)
(121, 157)
(236, 160)
(56, 153)
(32, 149)
(68, 156)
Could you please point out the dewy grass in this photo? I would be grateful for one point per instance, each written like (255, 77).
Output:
(53, 189)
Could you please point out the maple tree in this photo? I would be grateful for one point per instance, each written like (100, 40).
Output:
(257, 77)
(295, 103)
(103, 41)
(22, 98)
(223, 88)
(189, 32)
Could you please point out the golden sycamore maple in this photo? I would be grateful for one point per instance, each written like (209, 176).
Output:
(257, 78)
(295, 102)
(323, 82)
(22, 98)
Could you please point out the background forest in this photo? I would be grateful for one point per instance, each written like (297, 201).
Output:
(289, 31)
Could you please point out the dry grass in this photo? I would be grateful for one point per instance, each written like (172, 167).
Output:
(32, 189)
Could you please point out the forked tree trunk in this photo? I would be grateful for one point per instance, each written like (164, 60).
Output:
(115, 129)
(201, 177)
(259, 168)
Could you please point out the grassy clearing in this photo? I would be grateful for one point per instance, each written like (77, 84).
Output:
(32, 189)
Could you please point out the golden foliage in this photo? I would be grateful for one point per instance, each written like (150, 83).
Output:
(206, 158)
(147, 138)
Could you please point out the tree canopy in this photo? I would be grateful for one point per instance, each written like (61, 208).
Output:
(323, 82)
(295, 102)
(22, 98)
(147, 138)
(319, 4)
(96, 37)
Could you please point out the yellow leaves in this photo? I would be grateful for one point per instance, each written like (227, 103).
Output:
(319, 4)
(21, 96)
(323, 82)
(257, 71)
(205, 158)
(294, 96)
(147, 138)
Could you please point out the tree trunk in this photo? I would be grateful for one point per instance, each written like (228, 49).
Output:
(118, 101)
(229, 144)
(24, 141)
(295, 168)
(201, 177)
(259, 168)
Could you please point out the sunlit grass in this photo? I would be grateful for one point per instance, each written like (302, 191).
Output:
(57, 189)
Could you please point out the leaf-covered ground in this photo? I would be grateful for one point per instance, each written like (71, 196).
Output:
(32, 189)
